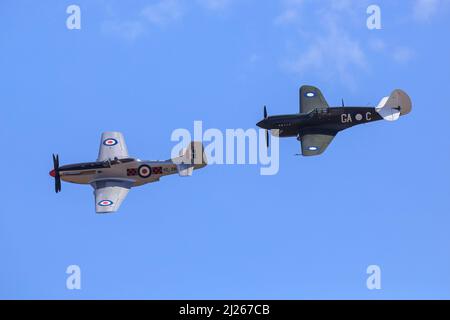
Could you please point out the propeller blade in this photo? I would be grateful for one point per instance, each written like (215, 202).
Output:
(343, 104)
(57, 175)
(57, 183)
(265, 112)
(267, 138)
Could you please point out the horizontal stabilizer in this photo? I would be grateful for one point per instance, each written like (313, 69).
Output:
(394, 106)
(185, 170)
(193, 157)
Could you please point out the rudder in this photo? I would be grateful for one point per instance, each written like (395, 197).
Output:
(396, 105)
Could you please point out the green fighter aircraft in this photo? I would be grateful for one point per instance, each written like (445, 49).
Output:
(317, 124)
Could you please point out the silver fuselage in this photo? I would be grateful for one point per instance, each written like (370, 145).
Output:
(124, 170)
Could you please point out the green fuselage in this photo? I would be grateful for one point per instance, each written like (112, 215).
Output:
(324, 121)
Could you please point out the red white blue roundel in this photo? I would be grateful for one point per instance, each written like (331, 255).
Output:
(110, 142)
(144, 171)
(105, 203)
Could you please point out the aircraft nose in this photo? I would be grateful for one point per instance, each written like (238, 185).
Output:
(52, 173)
(262, 124)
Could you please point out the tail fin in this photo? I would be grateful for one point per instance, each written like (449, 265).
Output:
(394, 106)
(193, 157)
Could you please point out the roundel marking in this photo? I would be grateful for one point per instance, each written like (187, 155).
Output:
(110, 142)
(144, 171)
(105, 203)
(358, 117)
(310, 94)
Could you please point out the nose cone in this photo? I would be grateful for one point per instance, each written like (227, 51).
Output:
(262, 124)
(52, 173)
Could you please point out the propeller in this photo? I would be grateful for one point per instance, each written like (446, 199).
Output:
(56, 173)
(343, 104)
(267, 131)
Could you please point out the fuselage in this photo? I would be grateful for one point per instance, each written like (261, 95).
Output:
(331, 120)
(134, 171)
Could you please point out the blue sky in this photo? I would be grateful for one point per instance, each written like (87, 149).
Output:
(379, 195)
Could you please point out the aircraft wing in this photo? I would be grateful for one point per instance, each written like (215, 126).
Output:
(311, 98)
(315, 144)
(110, 195)
(112, 145)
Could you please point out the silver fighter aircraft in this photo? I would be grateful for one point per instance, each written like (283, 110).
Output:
(115, 172)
